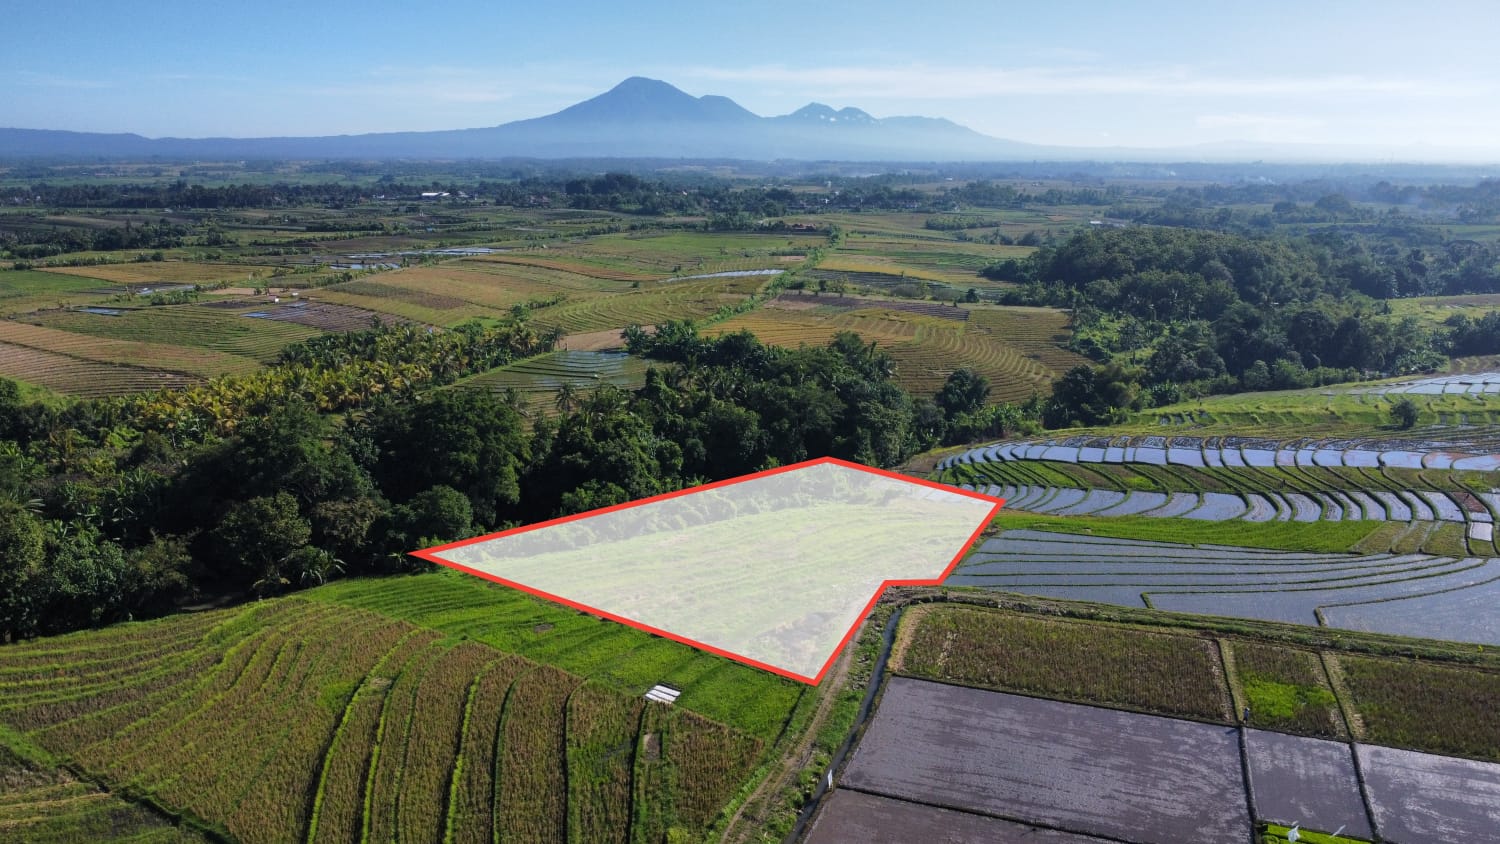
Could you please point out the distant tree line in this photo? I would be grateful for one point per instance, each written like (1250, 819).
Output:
(42, 241)
(1196, 311)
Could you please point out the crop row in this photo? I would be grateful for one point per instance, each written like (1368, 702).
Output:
(153, 356)
(541, 377)
(197, 326)
(471, 813)
(649, 305)
(619, 656)
(339, 803)
(78, 377)
(313, 719)
(925, 349)
(565, 265)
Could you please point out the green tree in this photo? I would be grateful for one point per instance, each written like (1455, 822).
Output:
(470, 440)
(1090, 396)
(965, 391)
(22, 552)
(159, 576)
(85, 582)
(1404, 413)
(256, 537)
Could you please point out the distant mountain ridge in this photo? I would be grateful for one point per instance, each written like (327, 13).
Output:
(649, 119)
(639, 118)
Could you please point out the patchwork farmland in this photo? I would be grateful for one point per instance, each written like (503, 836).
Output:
(953, 743)
(1250, 608)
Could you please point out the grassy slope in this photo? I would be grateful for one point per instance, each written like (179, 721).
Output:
(619, 656)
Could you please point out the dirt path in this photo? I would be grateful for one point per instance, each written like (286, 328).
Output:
(911, 617)
(752, 813)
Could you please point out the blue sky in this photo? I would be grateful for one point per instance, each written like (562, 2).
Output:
(1079, 73)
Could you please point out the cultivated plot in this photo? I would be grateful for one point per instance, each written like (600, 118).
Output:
(1403, 594)
(1123, 775)
(1305, 780)
(855, 816)
(773, 569)
(1419, 797)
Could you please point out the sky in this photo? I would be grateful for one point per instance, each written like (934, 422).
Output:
(1372, 74)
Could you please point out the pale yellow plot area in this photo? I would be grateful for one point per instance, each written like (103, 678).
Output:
(776, 569)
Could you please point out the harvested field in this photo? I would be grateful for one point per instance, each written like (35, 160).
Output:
(176, 272)
(199, 362)
(848, 815)
(77, 377)
(594, 341)
(1419, 798)
(649, 305)
(686, 253)
(563, 265)
(185, 325)
(1305, 780)
(1083, 769)
(798, 300)
(383, 290)
(926, 349)
(1040, 333)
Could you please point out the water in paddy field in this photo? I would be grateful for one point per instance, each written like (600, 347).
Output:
(727, 274)
(584, 371)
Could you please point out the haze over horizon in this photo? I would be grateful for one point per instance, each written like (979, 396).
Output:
(1348, 76)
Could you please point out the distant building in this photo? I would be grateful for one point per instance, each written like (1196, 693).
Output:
(434, 194)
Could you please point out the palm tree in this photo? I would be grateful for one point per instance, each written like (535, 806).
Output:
(567, 398)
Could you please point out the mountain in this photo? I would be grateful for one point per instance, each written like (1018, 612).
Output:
(639, 118)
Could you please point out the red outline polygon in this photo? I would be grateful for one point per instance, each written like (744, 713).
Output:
(430, 555)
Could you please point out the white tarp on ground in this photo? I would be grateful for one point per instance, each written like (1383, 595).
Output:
(774, 569)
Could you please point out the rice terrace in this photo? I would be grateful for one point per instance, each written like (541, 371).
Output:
(465, 440)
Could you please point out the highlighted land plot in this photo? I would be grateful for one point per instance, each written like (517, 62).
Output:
(774, 569)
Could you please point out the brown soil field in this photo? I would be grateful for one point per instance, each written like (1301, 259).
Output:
(856, 816)
(1126, 776)
(1305, 780)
